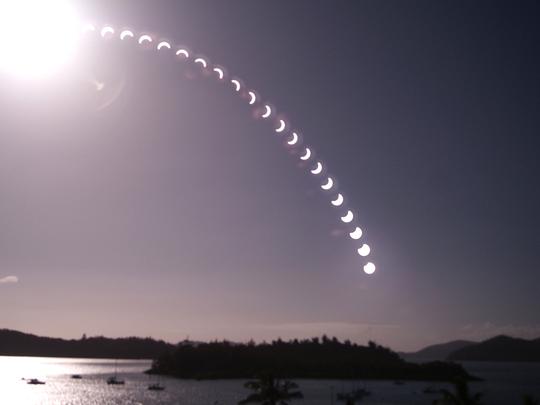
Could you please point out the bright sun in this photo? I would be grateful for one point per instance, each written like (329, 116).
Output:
(36, 36)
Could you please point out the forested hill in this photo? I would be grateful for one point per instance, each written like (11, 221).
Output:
(436, 352)
(14, 343)
(500, 348)
(314, 358)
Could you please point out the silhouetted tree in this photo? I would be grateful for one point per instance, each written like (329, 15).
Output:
(461, 396)
(528, 400)
(271, 391)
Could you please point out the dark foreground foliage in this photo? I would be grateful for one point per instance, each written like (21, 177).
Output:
(460, 396)
(268, 390)
(315, 358)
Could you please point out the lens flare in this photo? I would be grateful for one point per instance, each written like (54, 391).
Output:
(89, 28)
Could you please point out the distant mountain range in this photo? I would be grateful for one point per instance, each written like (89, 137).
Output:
(437, 352)
(500, 348)
(14, 343)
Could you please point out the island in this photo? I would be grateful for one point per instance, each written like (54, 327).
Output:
(315, 358)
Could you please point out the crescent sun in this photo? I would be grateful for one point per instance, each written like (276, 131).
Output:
(126, 33)
(307, 155)
(281, 127)
(348, 217)
(364, 250)
(145, 38)
(318, 168)
(294, 139)
(268, 111)
(338, 201)
(356, 234)
(107, 30)
(329, 184)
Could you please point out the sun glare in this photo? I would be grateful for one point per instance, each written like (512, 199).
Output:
(36, 37)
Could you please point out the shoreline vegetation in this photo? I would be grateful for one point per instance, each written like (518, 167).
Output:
(314, 358)
(270, 368)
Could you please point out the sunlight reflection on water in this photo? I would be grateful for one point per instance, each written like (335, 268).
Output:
(60, 389)
(92, 389)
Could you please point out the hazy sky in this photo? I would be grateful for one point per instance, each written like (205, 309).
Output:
(158, 206)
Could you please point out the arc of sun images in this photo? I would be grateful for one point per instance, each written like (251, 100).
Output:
(37, 37)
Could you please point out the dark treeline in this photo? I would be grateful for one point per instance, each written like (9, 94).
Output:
(314, 358)
(13, 343)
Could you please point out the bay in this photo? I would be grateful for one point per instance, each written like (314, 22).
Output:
(505, 383)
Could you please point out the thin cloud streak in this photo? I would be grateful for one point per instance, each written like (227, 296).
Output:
(9, 280)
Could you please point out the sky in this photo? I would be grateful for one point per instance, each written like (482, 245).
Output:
(141, 198)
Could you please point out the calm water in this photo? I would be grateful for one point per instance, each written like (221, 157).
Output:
(505, 384)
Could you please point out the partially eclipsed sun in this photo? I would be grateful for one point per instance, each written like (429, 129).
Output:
(36, 36)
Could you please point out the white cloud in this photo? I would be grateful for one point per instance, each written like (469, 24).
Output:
(9, 280)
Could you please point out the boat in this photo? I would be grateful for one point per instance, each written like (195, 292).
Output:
(76, 376)
(156, 387)
(115, 381)
(35, 381)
